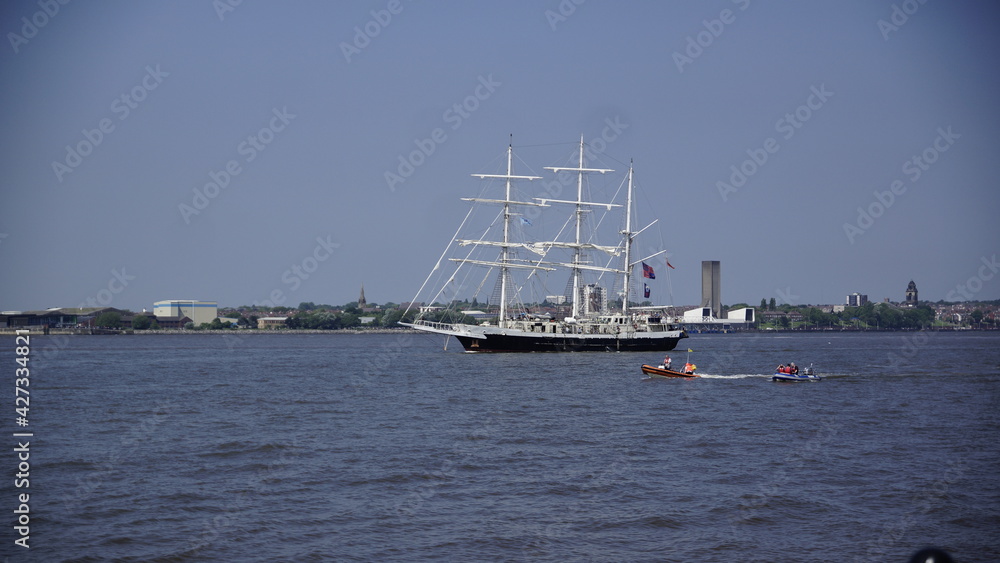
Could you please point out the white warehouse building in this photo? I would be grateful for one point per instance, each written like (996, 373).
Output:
(198, 311)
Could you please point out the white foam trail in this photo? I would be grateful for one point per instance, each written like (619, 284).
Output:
(734, 376)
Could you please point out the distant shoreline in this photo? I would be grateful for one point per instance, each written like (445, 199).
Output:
(181, 332)
(248, 332)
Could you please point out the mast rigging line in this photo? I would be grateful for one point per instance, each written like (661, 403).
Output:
(438, 263)
(454, 239)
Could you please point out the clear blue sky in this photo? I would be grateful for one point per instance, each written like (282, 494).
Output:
(309, 104)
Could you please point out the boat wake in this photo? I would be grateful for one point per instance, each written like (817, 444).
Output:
(734, 376)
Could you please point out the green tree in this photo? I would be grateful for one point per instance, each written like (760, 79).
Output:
(976, 316)
(763, 304)
(887, 316)
(153, 325)
(189, 326)
(349, 320)
(772, 306)
(141, 322)
(391, 317)
(216, 324)
(109, 319)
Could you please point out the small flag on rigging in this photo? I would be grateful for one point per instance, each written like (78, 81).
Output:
(645, 291)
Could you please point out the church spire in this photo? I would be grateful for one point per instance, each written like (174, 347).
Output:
(361, 299)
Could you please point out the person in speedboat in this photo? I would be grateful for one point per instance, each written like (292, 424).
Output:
(666, 361)
(790, 369)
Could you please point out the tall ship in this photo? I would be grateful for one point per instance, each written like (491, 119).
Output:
(513, 260)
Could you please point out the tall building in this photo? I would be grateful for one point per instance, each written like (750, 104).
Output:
(594, 299)
(711, 286)
(856, 299)
(911, 294)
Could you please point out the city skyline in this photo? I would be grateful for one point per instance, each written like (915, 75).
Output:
(244, 153)
(104, 299)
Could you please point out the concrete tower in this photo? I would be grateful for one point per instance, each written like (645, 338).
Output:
(711, 287)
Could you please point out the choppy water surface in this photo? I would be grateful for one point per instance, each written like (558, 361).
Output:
(387, 447)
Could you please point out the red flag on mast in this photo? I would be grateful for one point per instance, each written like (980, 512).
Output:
(647, 271)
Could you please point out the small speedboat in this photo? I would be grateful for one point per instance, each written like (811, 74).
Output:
(660, 371)
(805, 375)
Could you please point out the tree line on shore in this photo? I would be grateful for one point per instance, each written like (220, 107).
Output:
(870, 315)
(311, 316)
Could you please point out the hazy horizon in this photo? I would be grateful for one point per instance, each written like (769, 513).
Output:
(224, 153)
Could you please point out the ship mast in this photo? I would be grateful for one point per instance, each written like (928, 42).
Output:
(505, 249)
(628, 242)
(580, 210)
(578, 252)
(505, 261)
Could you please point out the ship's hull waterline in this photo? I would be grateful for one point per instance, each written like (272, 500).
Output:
(528, 342)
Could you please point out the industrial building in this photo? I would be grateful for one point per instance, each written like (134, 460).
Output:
(709, 315)
(198, 311)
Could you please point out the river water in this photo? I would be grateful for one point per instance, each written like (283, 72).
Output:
(391, 448)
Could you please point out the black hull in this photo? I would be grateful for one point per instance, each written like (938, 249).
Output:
(555, 343)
